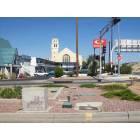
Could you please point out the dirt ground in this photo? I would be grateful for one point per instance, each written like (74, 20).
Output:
(135, 88)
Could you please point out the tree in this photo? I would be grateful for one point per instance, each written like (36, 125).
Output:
(125, 69)
(108, 68)
(92, 65)
(92, 68)
(58, 72)
(84, 65)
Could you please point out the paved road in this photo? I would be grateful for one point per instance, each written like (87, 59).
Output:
(23, 82)
(59, 81)
(44, 117)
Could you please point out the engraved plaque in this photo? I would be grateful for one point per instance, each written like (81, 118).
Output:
(34, 99)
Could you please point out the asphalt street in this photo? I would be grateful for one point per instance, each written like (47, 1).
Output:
(38, 82)
(87, 117)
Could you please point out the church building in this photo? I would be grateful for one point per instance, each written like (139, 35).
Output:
(66, 57)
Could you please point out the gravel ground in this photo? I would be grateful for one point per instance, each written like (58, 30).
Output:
(109, 105)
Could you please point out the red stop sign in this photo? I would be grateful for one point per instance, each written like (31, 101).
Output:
(119, 57)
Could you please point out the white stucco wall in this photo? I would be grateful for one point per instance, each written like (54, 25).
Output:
(58, 56)
(71, 54)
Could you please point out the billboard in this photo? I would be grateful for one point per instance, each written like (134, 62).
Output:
(127, 45)
(97, 42)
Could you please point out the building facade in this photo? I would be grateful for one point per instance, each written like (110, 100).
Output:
(66, 57)
(9, 59)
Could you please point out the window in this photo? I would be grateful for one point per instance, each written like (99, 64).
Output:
(66, 58)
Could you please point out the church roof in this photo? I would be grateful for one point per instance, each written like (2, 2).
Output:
(67, 50)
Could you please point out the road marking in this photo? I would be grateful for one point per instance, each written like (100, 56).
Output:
(88, 116)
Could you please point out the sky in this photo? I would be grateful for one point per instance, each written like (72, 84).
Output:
(32, 36)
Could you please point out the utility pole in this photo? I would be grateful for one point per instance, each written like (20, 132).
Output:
(77, 55)
(118, 50)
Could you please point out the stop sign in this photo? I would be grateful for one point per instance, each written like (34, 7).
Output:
(119, 57)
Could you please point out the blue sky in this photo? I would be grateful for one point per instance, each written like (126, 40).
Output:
(32, 36)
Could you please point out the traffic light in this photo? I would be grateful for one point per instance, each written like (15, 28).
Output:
(97, 57)
(103, 58)
(115, 20)
(104, 49)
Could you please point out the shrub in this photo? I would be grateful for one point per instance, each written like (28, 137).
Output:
(108, 68)
(88, 85)
(92, 68)
(137, 98)
(126, 69)
(11, 93)
(123, 94)
(108, 94)
(58, 72)
(121, 91)
(127, 95)
(114, 87)
(3, 76)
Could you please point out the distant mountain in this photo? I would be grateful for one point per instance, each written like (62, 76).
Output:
(4, 43)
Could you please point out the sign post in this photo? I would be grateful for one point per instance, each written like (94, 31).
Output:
(97, 42)
(100, 43)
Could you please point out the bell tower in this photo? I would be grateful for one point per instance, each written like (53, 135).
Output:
(54, 49)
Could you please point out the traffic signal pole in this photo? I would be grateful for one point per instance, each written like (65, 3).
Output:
(111, 45)
(104, 30)
(109, 52)
(118, 50)
(100, 57)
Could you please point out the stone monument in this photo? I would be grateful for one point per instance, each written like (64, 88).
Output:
(34, 99)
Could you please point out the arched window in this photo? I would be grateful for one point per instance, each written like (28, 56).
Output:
(66, 58)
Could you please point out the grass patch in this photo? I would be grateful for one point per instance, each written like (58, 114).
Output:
(88, 85)
(54, 85)
(121, 91)
(114, 87)
(123, 94)
(9, 93)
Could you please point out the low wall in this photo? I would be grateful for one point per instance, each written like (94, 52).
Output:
(10, 105)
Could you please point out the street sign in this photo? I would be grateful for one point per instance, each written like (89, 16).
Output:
(97, 43)
(127, 45)
(119, 57)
